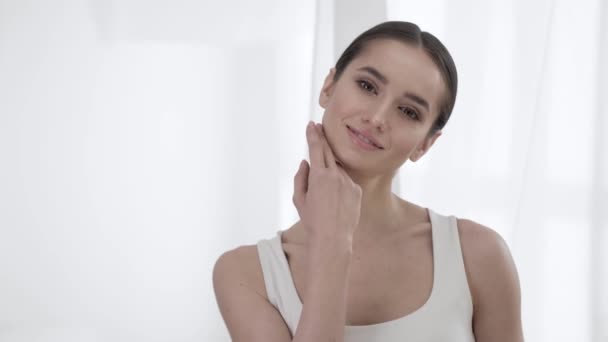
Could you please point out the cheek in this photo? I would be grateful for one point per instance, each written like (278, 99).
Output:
(345, 103)
(404, 145)
(338, 109)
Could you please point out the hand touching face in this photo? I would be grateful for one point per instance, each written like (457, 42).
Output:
(327, 199)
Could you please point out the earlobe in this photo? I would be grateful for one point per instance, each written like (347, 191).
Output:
(426, 146)
(323, 99)
(431, 140)
(417, 155)
(327, 88)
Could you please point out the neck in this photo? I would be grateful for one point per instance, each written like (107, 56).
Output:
(381, 214)
(381, 210)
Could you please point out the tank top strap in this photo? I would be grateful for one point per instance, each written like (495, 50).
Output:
(277, 277)
(451, 283)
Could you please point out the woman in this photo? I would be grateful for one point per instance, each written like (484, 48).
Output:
(362, 264)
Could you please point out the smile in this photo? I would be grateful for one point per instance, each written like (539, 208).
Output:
(362, 141)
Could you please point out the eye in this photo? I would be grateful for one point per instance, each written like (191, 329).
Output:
(411, 113)
(366, 86)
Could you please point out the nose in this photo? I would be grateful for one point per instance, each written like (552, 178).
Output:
(378, 122)
(378, 117)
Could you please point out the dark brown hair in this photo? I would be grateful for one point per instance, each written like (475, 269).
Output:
(410, 33)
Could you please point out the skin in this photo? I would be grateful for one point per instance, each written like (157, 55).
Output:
(360, 100)
(392, 241)
(392, 230)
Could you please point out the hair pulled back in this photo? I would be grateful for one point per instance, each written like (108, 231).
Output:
(410, 33)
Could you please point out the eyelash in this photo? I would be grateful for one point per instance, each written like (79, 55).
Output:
(417, 117)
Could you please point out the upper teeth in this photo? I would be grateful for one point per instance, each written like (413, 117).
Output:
(365, 139)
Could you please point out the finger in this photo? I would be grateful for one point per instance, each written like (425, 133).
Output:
(343, 172)
(328, 154)
(315, 147)
(300, 184)
(330, 157)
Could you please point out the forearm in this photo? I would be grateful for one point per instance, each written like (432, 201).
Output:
(324, 303)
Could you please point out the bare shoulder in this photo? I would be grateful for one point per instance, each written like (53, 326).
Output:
(243, 263)
(242, 301)
(485, 253)
(493, 281)
(479, 241)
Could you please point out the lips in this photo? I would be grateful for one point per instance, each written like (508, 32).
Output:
(367, 136)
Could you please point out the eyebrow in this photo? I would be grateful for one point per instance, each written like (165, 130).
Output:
(416, 98)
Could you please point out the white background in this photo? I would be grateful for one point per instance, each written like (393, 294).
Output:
(139, 140)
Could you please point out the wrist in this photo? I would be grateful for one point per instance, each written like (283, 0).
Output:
(331, 246)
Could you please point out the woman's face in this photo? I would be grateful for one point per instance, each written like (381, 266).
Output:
(392, 91)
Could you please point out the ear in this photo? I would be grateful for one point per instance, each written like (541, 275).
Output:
(327, 88)
(424, 146)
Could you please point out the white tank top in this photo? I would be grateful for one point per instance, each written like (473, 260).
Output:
(446, 316)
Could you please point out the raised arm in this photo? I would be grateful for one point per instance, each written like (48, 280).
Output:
(249, 316)
(328, 203)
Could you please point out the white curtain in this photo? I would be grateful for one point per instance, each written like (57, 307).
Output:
(141, 139)
(525, 152)
(138, 141)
